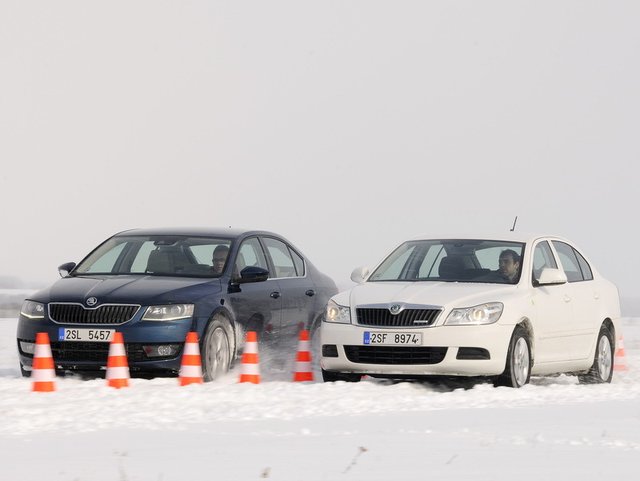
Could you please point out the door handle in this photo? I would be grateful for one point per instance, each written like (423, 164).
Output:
(310, 293)
(567, 298)
(596, 295)
(275, 294)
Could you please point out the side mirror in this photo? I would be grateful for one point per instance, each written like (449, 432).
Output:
(359, 274)
(64, 269)
(551, 277)
(253, 274)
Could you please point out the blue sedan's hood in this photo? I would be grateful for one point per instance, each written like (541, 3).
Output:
(132, 289)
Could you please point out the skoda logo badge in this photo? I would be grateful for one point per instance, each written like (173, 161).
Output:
(92, 301)
(395, 309)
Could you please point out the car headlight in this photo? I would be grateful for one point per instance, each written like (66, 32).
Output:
(32, 310)
(172, 312)
(337, 313)
(483, 314)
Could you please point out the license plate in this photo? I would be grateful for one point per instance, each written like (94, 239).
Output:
(95, 335)
(392, 338)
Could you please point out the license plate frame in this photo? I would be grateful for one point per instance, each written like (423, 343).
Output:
(391, 338)
(73, 334)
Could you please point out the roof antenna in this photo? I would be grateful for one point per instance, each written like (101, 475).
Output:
(514, 224)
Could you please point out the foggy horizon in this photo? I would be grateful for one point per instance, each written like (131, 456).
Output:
(345, 127)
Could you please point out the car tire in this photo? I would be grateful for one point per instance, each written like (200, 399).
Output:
(332, 376)
(602, 369)
(517, 371)
(218, 348)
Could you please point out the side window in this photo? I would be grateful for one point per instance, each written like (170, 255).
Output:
(584, 266)
(298, 261)
(203, 253)
(542, 257)
(433, 255)
(569, 261)
(391, 268)
(250, 255)
(108, 260)
(140, 262)
(281, 258)
(488, 258)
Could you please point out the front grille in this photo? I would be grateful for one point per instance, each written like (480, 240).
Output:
(395, 354)
(97, 352)
(112, 314)
(407, 318)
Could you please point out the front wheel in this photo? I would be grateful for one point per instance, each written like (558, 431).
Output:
(517, 370)
(602, 369)
(217, 349)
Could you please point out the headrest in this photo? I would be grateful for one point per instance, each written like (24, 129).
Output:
(160, 262)
(451, 267)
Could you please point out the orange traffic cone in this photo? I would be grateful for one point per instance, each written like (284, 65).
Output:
(619, 361)
(303, 370)
(191, 366)
(43, 371)
(117, 366)
(250, 360)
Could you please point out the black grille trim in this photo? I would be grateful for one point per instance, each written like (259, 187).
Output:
(395, 354)
(97, 352)
(473, 353)
(106, 314)
(382, 317)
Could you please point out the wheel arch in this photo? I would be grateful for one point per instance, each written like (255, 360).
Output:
(228, 315)
(612, 328)
(526, 324)
(608, 323)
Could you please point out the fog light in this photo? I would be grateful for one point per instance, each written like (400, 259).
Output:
(329, 350)
(27, 347)
(161, 350)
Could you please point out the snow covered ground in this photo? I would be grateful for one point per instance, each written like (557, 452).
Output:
(155, 430)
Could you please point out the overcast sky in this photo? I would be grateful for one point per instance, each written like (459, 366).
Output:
(346, 126)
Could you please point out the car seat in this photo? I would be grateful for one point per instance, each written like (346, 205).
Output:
(160, 262)
(451, 268)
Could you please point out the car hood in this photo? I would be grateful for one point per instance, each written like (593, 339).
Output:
(445, 294)
(144, 290)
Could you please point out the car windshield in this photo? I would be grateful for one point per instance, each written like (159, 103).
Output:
(160, 255)
(453, 260)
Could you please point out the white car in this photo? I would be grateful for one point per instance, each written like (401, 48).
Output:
(508, 308)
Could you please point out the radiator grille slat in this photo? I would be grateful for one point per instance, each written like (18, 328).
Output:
(64, 352)
(110, 314)
(407, 318)
(395, 354)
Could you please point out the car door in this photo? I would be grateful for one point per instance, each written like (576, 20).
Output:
(552, 311)
(257, 305)
(582, 298)
(296, 288)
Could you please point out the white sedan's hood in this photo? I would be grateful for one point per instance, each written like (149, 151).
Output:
(445, 294)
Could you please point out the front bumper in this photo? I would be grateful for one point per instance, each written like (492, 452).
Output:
(92, 356)
(446, 350)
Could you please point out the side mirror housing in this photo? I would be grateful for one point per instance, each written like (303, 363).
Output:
(65, 268)
(253, 274)
(360, 274)
(551, 277)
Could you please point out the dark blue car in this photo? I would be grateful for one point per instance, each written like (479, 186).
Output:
(155, 285)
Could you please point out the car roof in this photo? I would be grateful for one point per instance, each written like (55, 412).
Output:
(226, 232)
(501, 236)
